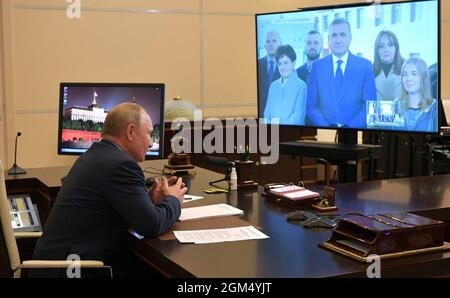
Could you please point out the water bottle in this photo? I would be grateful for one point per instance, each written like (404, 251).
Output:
(233, 179)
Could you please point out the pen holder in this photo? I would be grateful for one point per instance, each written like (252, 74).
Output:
(327, 202)
(244, 170)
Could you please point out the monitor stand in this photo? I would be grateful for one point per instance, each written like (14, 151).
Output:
(348, 171)
(345, 153)
(348, 137)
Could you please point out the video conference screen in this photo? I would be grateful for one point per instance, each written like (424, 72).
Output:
(84, 106)
(357, 66)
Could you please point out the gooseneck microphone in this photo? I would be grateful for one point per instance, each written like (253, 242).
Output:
(15, 169)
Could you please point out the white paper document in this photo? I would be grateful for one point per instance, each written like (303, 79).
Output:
(190, 198)
(208, 211)
(219, 235)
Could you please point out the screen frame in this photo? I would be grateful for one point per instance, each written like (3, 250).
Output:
(361, 4)
(83, 84)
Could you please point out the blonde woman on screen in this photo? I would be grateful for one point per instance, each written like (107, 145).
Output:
(421, 112)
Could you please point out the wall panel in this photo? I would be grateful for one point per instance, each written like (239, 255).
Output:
(37, 146)
(2, 93)
(187, 5)
(102, 47)
(230, 60)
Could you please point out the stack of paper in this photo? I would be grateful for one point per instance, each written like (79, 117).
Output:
(219, 235)
(209, 211)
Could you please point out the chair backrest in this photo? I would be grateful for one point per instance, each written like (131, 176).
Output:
(8, 232)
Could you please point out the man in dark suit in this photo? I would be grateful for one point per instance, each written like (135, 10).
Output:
(313, 49)
(105, 193)
(340, 84)
(267, 69)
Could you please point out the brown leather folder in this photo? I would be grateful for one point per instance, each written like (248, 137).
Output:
(386, 235)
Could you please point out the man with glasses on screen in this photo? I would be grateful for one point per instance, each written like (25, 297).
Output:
(340, 83)
(105, 193)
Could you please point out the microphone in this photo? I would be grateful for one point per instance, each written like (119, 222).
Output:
(219, 161)
(15, 169)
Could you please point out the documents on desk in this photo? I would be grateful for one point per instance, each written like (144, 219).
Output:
(219, 235)
(213, 212)
(208, 211)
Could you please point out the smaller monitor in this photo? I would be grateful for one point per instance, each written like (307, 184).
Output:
(83, 108)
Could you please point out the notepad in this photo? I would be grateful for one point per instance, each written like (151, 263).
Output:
(209, 211)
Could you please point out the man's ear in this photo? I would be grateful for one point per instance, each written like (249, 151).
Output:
(130, 130)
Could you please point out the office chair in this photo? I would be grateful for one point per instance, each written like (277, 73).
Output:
(11, 245)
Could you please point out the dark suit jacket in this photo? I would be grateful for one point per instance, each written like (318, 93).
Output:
(264, 84)
(303, 73)
(101, 197)
(325, 107)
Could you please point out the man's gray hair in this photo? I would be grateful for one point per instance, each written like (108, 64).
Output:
(120, 117)
(339, 21)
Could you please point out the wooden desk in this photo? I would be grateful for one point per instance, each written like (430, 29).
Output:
(292, 250)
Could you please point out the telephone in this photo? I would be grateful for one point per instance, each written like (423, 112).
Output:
(311, 220)
(299, 215)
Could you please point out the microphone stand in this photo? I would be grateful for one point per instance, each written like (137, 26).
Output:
(15, 169)
(227, 177)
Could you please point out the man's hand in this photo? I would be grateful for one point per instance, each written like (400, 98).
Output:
(167, 187)
(177, 190)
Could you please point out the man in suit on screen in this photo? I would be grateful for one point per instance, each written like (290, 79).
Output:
(313, 49)
(340, 83)
(268, 68)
